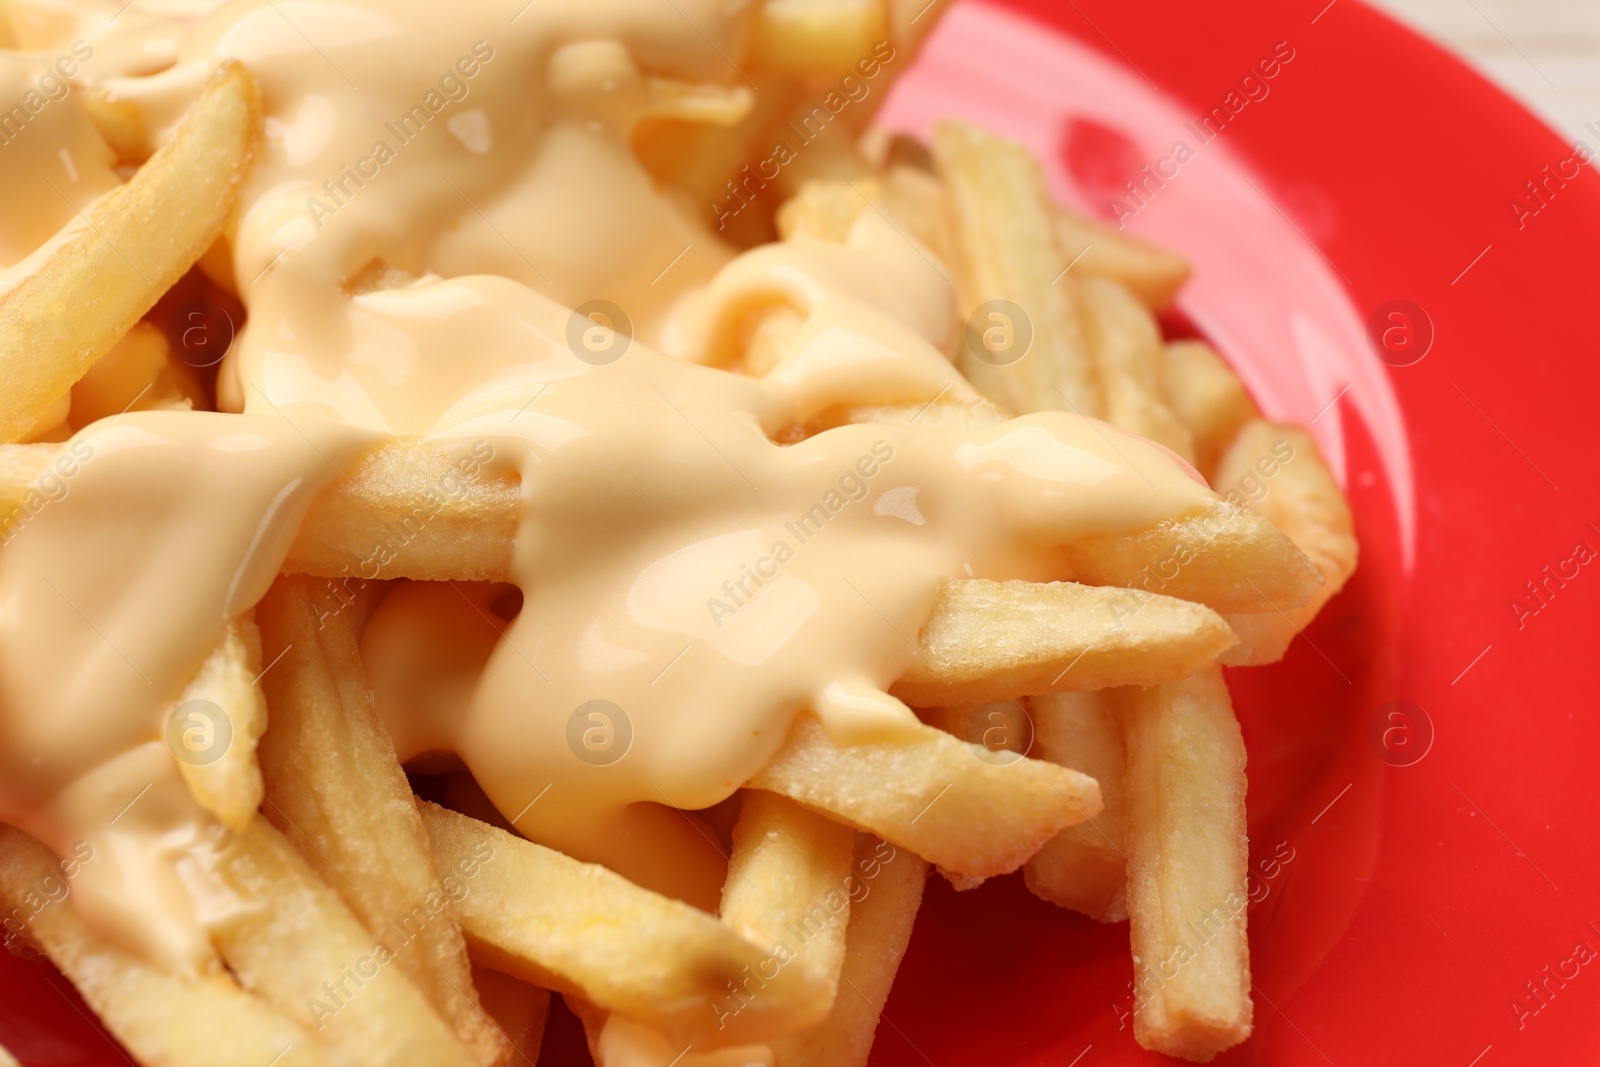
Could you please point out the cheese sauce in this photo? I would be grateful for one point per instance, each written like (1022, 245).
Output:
(690, 585)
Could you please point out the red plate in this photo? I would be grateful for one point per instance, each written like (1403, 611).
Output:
(1421, 777)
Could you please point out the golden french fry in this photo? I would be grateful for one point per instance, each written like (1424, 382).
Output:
(1208, 398)
(948, 801)
(518, 1011)
(998, 640)
(702, 103)
(408, 512)
(20, 469)
(230, 786)
(1084, 867)
(202, 1020)
(808, 37)
(789, 884)
(999, 726)
(880, 929)
(1187, 862)
(577, 927)
(129, 248)
(1007, 252)
(1127, 349)
(1279, 472)
(1223, 556)
(336, 790)
(292, 942)
(917, 198)
(617, 1041)
(825, 210)
(1152, 273)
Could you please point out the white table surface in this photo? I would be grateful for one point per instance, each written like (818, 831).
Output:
(1544, 52)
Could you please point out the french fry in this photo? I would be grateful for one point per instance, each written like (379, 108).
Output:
(928, 792)
(20, 469)
(1187, 862)
(807, 37)
(230, 786)
(617, 1041)
(789, 884)
(1152, 273)
(1208, 398)
(917, 198)
(1007, 251)
(1127, 348)
(129, 248)
(203, 1020)
(291, 941)
(1003, 728)
(579, 928)
(880, 929)
(1298, 494)
(1084, 867)
(519, 1011)
(407, 512)
(336, 790)
(997, 640)
(1225, 557)
(824, 210)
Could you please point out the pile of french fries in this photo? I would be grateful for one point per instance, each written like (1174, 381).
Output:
(1078, 731)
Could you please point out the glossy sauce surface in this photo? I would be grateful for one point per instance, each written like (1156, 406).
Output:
(685, 577)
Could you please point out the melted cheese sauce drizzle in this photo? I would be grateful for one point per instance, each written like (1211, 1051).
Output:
(704, 582)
